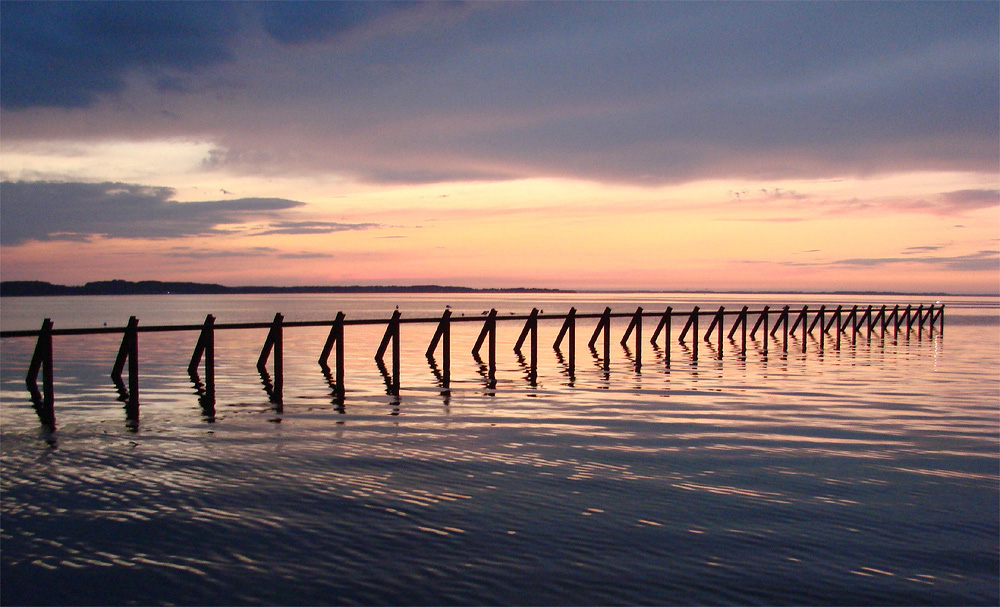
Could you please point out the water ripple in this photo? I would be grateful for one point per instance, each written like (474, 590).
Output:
(866, 477)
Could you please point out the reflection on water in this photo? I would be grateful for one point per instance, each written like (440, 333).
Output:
(866, 475)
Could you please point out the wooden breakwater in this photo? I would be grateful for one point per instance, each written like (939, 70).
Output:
(851, 322)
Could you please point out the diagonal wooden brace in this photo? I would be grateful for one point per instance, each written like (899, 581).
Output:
(41, 360)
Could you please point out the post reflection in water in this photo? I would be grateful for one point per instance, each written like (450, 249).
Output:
(205, 394)
(273, 390)
(487, 372)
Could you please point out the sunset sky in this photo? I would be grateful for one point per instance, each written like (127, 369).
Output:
(646, 145)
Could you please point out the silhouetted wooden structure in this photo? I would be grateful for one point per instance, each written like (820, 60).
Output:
(883, 321)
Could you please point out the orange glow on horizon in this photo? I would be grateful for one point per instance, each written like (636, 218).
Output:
(857, 234)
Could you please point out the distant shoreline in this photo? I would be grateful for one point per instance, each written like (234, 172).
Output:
(35, 288)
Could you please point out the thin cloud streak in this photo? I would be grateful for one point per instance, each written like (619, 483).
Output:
(266, 252)
(981, 261)
(313, 227)
(955, 203)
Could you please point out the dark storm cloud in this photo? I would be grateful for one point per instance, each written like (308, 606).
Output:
(664, 91)
(650, 92)
(42, 210)
(65, 54)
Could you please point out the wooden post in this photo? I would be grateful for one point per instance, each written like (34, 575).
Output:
(637, 319)
(446, 350)
(802, 319)
(743, 338)
(664, 325)
(940, 316)
(865, 322)
(692, 319)
(784, 326)
(41, 359)
(821, 317)
(847, 320)
(274, 344)
(920, 321)
(736, 325)
(766, 319)
(805, 321)
(391, 334)
(530, 327)
(712, 325)
(798, 321)
(879, 321)
(534, 347)
(635, 325)
(834, 318)
(395, 354)
(205, 348)
(853, 317)
(840, 328)
(490, 331)
(335, 339)
(443, 331)
(694, 340)
(716, 322)
(721, 318)
(492, 320)
(908, 319)
(820, 320)
(741, 321)
(894, 315)
(568, 327)
(129, 351)
(783, 321)
(692, 323)
(604, 325)
(668, 315)
(762, 319)
(571, 319)
(777, 324)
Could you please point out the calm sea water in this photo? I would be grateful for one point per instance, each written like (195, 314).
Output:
(863, 476)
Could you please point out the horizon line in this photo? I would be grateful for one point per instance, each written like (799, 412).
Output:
(433, 288)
